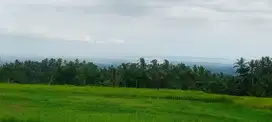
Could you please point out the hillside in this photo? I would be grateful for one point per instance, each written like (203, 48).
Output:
(102, 104)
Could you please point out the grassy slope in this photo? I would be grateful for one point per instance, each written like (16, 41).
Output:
(85, 104)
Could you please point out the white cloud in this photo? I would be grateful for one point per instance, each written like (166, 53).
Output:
(169, 27)
(116, 41)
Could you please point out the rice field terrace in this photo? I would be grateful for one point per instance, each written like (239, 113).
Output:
(43, 103)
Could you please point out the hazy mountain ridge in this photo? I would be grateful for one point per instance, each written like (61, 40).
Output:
(209, 63)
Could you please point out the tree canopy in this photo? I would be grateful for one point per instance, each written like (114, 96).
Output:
(253, 77)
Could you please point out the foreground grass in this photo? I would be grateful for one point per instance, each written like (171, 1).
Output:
(41, 103)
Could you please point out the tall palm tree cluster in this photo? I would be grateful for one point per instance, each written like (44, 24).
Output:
(253, 78)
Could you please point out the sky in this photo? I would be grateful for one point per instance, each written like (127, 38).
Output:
(198, 28)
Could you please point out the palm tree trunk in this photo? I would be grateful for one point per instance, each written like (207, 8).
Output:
(51, 80)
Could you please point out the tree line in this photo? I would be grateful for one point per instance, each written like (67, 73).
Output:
(252, 78)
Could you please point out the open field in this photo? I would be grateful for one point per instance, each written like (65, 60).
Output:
(95, 104)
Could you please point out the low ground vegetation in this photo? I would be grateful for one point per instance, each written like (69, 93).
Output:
(44, 103)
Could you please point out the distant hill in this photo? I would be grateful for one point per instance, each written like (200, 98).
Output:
(214, 65)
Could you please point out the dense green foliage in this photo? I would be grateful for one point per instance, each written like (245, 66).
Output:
(253, 78)
(62, 103)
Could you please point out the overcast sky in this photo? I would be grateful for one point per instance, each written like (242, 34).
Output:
(199, 28)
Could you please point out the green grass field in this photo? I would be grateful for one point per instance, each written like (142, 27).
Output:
(94, 104)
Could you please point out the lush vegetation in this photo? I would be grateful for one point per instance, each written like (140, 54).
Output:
(62, 103)
(253, 78)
